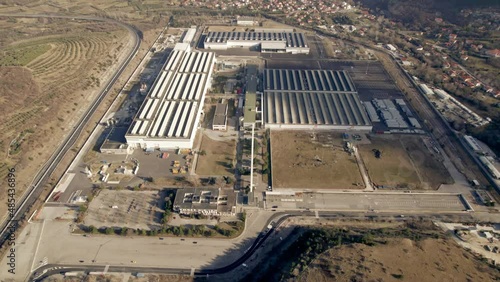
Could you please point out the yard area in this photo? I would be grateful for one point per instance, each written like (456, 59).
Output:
(312, 160)
(132, 209)
(216, 157)
(404, 162)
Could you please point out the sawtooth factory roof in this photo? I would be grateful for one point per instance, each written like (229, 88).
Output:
(307, 80)
(311, 98)
(292, 39)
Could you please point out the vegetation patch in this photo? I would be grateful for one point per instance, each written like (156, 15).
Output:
(314, 241)
(21, 56)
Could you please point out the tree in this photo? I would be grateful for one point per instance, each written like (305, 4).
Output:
(92, 229)
(202, 153)
(228, 179)
(82, 208)
(212, 180)
(109, 230)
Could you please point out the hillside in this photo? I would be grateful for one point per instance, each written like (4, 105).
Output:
(398, 260)
(418, 12)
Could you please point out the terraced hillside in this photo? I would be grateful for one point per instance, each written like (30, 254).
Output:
(48, 80)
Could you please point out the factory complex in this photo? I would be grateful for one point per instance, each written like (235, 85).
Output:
(279, 41)
(169, 116)
(312, 99)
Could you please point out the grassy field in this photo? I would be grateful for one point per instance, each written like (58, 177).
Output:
(22, 55)
(216, 157)
(298, 161)
(405, 162)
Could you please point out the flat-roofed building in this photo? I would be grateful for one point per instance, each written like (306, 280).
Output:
(115, 142)
(220, 117)
(270, 41)
(246, 21)
(312, 99)
(250, 108)
(472, 142)
(170, 114)
(490, 167)
(188, 35)
(206, 201)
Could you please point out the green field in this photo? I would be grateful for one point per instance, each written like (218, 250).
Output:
(22, 55)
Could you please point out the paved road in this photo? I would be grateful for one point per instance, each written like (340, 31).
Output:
(276, 220)
(35, 189)
(363, 171)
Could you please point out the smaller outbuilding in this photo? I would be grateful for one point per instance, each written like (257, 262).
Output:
(220, 117)
(246, 21)
(115, 142)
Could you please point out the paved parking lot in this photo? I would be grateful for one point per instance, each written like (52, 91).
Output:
(152, 165)
(134, 209)
(369, 202)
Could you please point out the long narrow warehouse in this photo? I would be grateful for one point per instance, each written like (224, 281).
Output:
(170, 114)
(270, 41)
(312, 99)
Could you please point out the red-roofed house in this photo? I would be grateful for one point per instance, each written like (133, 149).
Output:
(493, 53)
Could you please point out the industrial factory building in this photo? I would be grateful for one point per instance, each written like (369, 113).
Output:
(269, 41)
(250, 109)
(170, 114)
(312, 99)
(472, 142)
(206, 201)
(219, 121)
(490, 167)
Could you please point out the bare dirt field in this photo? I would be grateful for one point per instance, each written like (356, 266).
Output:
(405, 162)
(316, 161)
(217, 157)
(399, 260)
(125, 208)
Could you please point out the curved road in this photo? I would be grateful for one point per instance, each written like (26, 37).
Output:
(276, 220)
(34, 191)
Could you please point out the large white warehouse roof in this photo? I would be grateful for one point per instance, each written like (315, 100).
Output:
(168, 117)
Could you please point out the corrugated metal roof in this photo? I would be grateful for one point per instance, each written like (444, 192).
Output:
(176, 96)
(312, 97)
